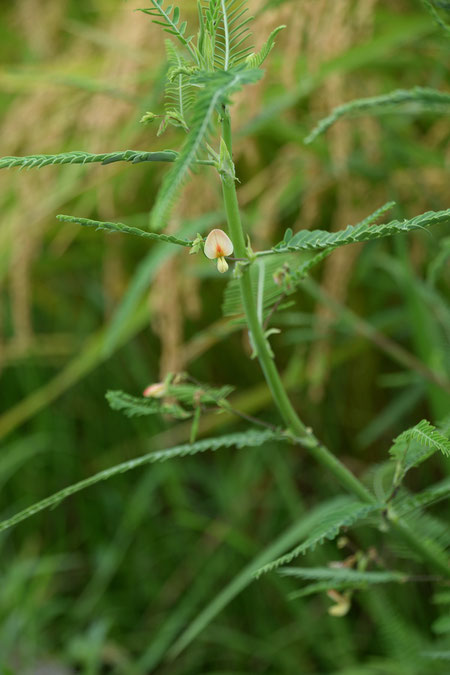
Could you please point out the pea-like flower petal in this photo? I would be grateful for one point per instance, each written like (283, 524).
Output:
(218, 245)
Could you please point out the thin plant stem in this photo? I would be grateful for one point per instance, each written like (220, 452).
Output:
(229, 408)
(302, 434)
(263, 351)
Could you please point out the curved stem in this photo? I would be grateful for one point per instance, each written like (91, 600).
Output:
(261, 346)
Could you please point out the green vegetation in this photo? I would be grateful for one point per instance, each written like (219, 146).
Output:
(314, 538)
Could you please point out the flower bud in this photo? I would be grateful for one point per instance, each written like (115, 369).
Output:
(157, 390)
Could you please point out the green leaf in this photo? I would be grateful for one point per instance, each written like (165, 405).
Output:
(228, 25)
(308, 240)
(338, 578)
(250, 438)
(433, 532)
(416, 445)
(214, 92)
(261, 269)
(426, 434)
(301, 528)
(257, 60)
(169, 19)
(432, 495)
(123, 229)
(274, 268)
(78, 157)
(343, 574)
(415, 100)
(179, 93)
(296, 273)
(181, 394)
(342, 512)
(134, 406)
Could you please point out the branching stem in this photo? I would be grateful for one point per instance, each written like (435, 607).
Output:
(294, 424)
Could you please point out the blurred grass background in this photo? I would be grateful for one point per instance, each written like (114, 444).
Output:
(107, 581)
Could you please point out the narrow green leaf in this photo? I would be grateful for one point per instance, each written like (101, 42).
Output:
(123, 229)
(320, 239)
(228, 22)
(417, 100)
(169, 17)
(332, 578)
(297, 531)
(134, 406)
(257, 60)
(345, 513)
(250, 438)
(215, 91)
(342, 574)
(432, 495)
(416, 445)
(78, 157)
(179, 93)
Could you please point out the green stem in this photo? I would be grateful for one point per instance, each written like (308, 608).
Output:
(260, 344)
(263, 351)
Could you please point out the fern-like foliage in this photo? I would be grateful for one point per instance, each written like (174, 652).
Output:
(292, 272)
(256, 60)
(433, 532)
(266, 283)
(134, 406)
(342, 512)
(228, 23)
(416, 100)
(169, 18)
(179, 93)
(180, 400)
(308, 240)
(261, 273)
(416, 445)
(78, 157)
(338, 578)
(124, 229)
(215, 90)
(436, 493)
(251, 438)
(426, 434)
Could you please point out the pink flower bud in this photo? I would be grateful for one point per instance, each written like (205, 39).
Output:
(155, 390)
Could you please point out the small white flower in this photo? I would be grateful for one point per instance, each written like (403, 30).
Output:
(218, 246)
